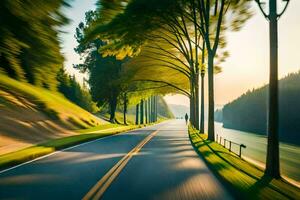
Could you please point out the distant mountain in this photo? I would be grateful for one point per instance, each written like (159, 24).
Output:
(179, 110)
(249, 111)
(163, 108)
(219, 115)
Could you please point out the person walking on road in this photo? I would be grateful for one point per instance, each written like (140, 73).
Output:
(186, 118)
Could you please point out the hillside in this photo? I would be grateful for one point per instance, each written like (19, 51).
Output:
(248, 112)
(163, 108)
(30, 114)
(179, 110)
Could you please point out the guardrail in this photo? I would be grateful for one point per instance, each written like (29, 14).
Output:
(229, 147)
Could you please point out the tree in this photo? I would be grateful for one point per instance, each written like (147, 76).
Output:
(29, 42)
(146, 111)
(76, 93)
(172, 28)
(104, 72)
(125, 106)
(211, 25)
(105, 83)
(272, 164)
(142, 112)
(137, 114)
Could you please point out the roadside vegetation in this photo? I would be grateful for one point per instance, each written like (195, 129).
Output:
(76, 92)
(17, 95)
(41, 103)
(187, 39)
(132, 53)
(244, 179)
(46, 121)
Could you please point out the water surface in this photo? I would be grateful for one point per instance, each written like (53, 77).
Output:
(256, 146)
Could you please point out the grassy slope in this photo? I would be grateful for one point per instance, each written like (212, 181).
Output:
(19, 96)
(130, 118)
(246, 180)
(53, 104)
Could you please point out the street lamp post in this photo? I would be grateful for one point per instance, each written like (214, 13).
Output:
(272, 161)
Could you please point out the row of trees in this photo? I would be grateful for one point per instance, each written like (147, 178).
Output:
(146, 111)
(72, 90)
(115, 82)
(186, 36)
(146, 48)
(30, 52)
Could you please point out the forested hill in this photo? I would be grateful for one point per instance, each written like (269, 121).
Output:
(163, 109)
(248, 112)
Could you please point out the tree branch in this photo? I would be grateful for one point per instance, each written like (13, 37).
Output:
(169, 84)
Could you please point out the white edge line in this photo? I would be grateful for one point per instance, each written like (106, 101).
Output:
(50, 154)
(68, 148)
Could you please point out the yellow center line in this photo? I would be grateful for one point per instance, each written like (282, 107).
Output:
(98, 190)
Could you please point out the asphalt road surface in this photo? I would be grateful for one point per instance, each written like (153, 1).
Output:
(156, 162)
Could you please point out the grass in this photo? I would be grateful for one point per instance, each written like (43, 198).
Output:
(21, 156)
(100, 128)
(130, 118)
(84, 135)
(51, 103)
(244, 179)
(56, 107)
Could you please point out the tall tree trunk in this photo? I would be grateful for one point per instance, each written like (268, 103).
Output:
(272, 162)
(113, 107)
(142, 112)
(156, 106)
(211, 103)
(196, 67)
(149, 110)
(192, 101)
(191, 109)
(146, 111)
(137, 114)
(197, 101)
(202, 104)
(152, 108)
(125, 109)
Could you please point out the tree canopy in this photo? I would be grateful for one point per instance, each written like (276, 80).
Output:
(29, 41)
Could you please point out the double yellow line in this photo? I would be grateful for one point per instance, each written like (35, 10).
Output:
(98, 190)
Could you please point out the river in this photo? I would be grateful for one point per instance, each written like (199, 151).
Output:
(255, 151)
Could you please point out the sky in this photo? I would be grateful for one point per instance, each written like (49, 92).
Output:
(248, 64)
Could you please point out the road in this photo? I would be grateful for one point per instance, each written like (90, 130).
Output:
(156, 162)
